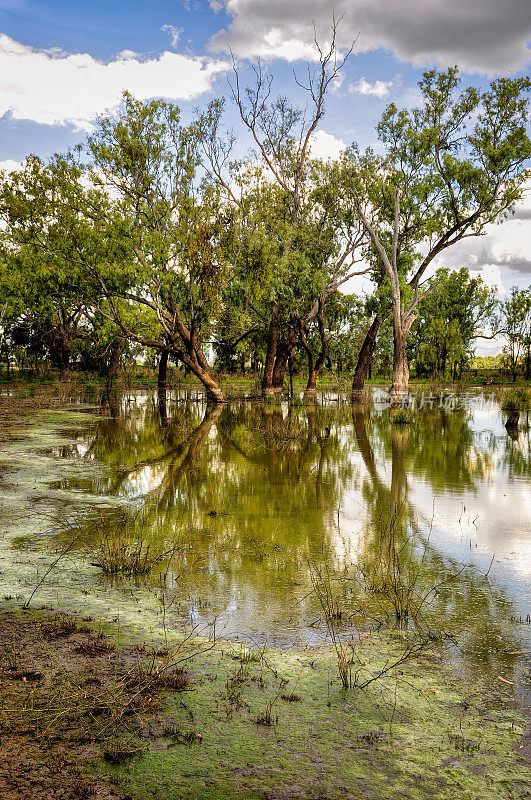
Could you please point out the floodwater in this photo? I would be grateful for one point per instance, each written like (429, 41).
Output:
(259, 503)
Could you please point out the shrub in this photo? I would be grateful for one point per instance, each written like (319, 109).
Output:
(516, 399)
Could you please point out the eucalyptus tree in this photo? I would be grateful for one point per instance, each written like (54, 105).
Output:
(459, 310)
(176, 229)
(516, 327)
(332, 339)
(297, 243)
(450, 167)
(48, 239)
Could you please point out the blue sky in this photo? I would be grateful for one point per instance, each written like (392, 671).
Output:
(105, 28)
(63, 63)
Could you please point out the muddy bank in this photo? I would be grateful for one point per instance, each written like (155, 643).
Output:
(48, 668)
(93, 711)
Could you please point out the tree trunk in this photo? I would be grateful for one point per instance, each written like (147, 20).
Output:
(311, 386)
(290, 369)
(163, 370)
(272, 344)
(110, 365)
(314, 367)
(63, 359)
(400, 379)
(364, 360)
(284, 351)
(201, 371)
(512, 420)
(279, 369)
(214, 393)
(114, 361)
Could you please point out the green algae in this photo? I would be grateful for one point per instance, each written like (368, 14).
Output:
(419, 734)
(426, 732)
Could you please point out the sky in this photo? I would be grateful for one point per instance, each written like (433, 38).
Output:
(62, 64)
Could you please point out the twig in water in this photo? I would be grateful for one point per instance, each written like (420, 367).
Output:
(63, 552)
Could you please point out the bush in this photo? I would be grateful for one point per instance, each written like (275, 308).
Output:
(516, 399)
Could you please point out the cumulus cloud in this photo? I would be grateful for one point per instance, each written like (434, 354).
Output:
(491, 276)
(9, 166)
(502, 255)
(486, 36)
(325, 145)
(56, 88)
(377, 89)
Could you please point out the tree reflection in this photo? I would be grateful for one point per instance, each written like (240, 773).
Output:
(254, 491)
(396, 560)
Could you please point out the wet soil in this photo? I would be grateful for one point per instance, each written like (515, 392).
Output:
(65, 702)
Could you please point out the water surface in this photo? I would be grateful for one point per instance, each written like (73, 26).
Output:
(259, 497)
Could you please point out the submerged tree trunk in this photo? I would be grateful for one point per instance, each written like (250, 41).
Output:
(364, 360)
(163, 370)
(162, 376)
(512, 420)
(400, 379)
(279, 369)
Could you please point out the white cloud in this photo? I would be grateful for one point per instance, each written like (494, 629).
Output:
(377, 89)
(54, 88)
(481, 35)
(174, 33)
(325, 145)
(491, 276)
(9, 166)
(504, 247)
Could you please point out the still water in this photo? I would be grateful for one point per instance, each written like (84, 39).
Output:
(256, 499)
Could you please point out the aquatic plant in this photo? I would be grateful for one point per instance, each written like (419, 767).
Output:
(266, 717)
(401, 416)
(125, 556)
(322, 588)
(516, 399)
(121, 543)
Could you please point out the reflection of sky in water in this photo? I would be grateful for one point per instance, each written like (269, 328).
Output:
(497, 518)
(262, 491)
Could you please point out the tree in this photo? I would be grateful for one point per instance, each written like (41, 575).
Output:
(451, 166)
(458, 311)
(297, 242)
(516, 326)
(48, 239)
(175, 227)
(332, 338)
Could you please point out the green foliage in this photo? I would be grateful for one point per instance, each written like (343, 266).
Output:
(516, 399)
(450, 166)
(152, 238)
(451, 316)
(516, 326)
(50, 247)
